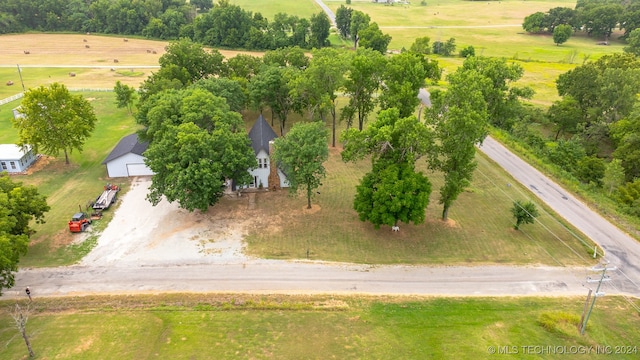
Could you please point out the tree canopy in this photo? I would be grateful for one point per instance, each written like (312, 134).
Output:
(54, 120)
(459, 117)
(197, 144)
(393, 191)
(19, 205)
(524, 212)
(301, 155)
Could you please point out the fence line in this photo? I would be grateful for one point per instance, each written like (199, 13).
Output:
(19, 95)
(11, 98)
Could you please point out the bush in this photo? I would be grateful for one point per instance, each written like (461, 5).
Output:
(559, 322)
(468, 51)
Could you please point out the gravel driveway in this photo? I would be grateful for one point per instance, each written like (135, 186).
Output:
(143, 235)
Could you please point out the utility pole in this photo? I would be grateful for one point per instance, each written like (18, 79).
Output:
(21, 81)
(597, 294)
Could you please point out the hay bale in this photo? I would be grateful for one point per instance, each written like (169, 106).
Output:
(72, 74)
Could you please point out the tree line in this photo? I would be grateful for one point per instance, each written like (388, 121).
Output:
(219, 25)
(597, 18)
(595, 128)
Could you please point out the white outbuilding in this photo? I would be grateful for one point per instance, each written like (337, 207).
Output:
(14, 158)
(127, 159)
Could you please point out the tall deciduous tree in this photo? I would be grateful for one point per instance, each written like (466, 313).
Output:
(403, 76)
(19, 205)
(626, 134)
(54, 120)
(319, 83)
(501, 95)
(343, 21)
(459, 117)
(301, 154)
(359, 21)
(272, 87)
(633, 42)
(613, 176)
(393, 191)
(125, 95)
(372, 37)
(562, 33)
(320, 27)
(197, 144)
(363, 80)
(565, 114)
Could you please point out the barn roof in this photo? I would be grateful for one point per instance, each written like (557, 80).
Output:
(260, 134)
(13, 151)
(128, 144)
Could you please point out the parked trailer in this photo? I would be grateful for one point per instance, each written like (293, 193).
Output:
(107, 197)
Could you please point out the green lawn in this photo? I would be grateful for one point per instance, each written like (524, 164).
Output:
(268, 9)
(206, 326)
(479, 231)
(70, 186)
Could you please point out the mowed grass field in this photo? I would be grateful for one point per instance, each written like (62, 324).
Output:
(203, 326)
(493, 28)
(479, 230)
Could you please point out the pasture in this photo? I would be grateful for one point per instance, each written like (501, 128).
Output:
(226, 326)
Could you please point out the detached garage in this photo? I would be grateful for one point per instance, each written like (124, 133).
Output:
(126, 158)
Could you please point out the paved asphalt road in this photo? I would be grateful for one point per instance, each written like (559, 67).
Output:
(621, 250)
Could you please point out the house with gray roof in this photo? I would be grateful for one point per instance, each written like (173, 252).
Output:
(267, 175)
(127, 158)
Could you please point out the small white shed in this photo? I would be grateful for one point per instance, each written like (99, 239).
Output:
(127, 159)
(14, 158)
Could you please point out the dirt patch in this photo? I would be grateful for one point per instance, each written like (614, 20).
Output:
(41, 162)
(451, 223)
(314, 209)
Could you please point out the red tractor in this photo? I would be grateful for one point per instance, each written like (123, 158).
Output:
(79, 222)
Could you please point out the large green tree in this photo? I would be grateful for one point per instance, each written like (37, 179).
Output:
(343, 21)
(501, 95)
(54, 120)
(363, 80)
(184, 63)
(273, 87)
(301, 155)
(125, 95)
(562, 33)
(565, 115)
(393, 191)
(19, 205)
(626, 134)
(372, 37)
(319, 83)
(197, 144)
(403, 76)
(359, 21)
(459, 117)
(320, 28)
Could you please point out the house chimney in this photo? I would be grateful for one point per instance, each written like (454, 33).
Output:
(274, 178)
